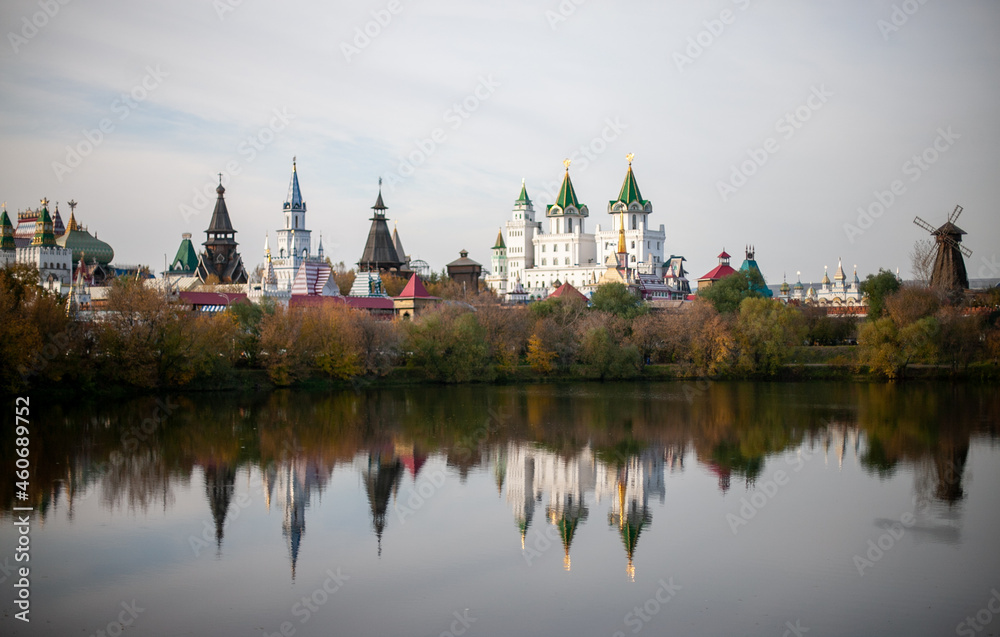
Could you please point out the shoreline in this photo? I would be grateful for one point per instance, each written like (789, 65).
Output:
(257, 380)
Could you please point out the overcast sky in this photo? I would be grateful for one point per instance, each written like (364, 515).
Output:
(759, 121)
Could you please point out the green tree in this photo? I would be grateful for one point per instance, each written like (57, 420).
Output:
(765, 331)
(448, 345)
(617, 299)
(606, 359)
(877, 287)
(248, 317)
(727, 294)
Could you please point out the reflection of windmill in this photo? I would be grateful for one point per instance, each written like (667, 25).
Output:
(949, 266)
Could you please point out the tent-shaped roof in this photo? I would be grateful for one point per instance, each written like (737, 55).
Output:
(220, 216)
(294, 199)
(499, 242)
(6, 232)
(568, 291)
(630, 190)
(398, 244)
(523, 198)
(380, 249)
(414, 289)
(186, 259)
(718, 272)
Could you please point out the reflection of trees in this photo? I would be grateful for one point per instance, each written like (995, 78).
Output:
(731, 427)
(136, 482)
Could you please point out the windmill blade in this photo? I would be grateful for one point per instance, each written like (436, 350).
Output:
(954, 214)
(923, 224)
(955, 244)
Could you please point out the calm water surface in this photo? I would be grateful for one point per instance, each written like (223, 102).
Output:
(593, 509)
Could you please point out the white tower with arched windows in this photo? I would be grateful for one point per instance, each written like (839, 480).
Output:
(644, 244)
(520, 232)
(293, 241)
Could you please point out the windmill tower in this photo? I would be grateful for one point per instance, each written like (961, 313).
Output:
(949, 266)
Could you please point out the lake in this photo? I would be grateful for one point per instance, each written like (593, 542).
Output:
(579, 509)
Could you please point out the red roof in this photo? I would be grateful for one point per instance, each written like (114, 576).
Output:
(718, 272)
(369, 302)
(312, 300)
(211, 298)
(568, 291)
(724, 255)
(413, 462)
(415, 289)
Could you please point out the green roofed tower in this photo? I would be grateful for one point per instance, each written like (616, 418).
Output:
(644, 244)
(186, 260)
(6, 232)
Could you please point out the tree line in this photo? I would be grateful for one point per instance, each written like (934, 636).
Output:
(145, 339)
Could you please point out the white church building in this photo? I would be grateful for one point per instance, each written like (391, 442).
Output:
(529, 258)
(292, 267)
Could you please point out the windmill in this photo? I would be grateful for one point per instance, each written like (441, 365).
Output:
(949, 266)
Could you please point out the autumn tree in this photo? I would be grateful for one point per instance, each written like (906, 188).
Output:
(540, 358)
(281, 346)
(960, 339)
(922, 259)
(650, 334)
(248, 317)
(378, 343)
(393, 283)
(506, 331)
(448, 345)
(710, 351)
(142, 335)
(343, 277)
(765, 330)
(36, 337)
(555, 324)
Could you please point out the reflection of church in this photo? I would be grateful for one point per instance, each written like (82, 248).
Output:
(220, 484)
(640, 477)
(292, 483)
(381, 475)
(531, 472)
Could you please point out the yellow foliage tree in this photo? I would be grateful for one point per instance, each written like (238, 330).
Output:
(538, 357)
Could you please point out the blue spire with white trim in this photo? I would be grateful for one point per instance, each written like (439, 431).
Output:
(294, 199)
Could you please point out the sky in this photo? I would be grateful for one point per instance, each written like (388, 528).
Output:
(813, 131)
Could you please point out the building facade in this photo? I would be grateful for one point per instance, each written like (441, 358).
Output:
(531, 258)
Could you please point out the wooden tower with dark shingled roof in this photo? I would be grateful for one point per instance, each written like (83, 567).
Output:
(380, 250)
(220, 256)
(949, 266)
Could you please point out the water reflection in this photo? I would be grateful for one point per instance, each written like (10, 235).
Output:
(560, 456)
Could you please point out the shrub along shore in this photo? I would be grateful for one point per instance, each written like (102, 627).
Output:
(146, 342)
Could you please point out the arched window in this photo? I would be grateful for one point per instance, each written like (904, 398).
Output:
(633, 222)
(297, 221)
(566, 261)
(633, 245)
(569, 225)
